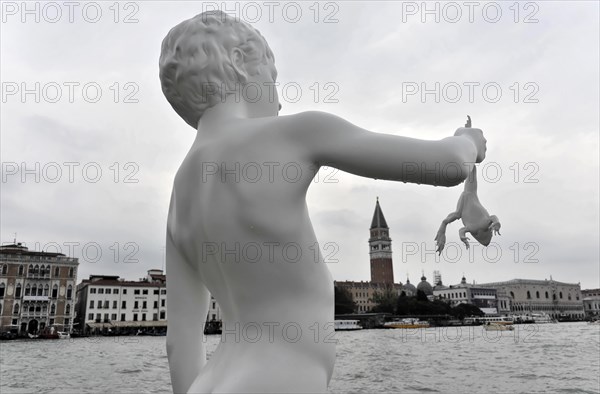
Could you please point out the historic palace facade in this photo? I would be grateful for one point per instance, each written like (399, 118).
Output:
(37, 290)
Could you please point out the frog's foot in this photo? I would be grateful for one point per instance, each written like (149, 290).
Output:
(440, 241)
(462, 233)
(494, 225)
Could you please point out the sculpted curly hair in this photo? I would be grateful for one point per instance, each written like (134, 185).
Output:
(195, 67)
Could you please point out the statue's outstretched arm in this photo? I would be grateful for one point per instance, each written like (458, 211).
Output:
(187, 303)
(334, 142)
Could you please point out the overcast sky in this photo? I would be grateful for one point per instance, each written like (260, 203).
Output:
(532, 87)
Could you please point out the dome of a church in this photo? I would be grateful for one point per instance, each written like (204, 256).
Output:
(409, 289)
(424, 286)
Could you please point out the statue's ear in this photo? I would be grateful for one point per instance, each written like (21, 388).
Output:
(239, 65)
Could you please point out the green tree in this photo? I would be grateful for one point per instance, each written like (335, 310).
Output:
(463, 310)
(386, 301)
(343, 301)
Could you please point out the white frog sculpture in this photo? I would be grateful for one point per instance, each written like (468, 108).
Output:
(474, 216)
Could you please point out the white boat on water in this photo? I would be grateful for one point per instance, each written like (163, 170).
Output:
(542, 318)
(346, 325)
(63, 335)
(407, 324)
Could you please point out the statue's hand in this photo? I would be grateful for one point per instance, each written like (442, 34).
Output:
(477, 138)
(440, 241)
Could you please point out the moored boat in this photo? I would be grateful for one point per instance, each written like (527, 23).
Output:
(406, 323)
(346, 325)
(498, 326)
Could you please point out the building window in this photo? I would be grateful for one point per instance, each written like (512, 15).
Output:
(91, 304)
(124, 291)
(162, 315)
(106, 318)
(569, 297)
(136, 291)
(107, 291)
(135, 317)
(98, 317)
(155, 316)
(162, 302)
(156, 292)
(560, 295)
(144, 305)
(106, 304)
(69, 292)
(115, 304)
(4, 269)
(113, 316)
(21, 269)
(145, 291)
(528, 295)
(54, 291)
(71, 271)
(115, 291)
(512, 295)
(99, 304)
(122, 317)
(155, 305)
(52, 309)
(67, 321)
(68, 309)
(16, 309)
(136, 305)
(91, 316)
(143, 317)
(46, 290)
(1, 290)
(56, 271)
(34, 290)
(18, 291)
(123, 304)
(537, 294)
(92, 290)
(100, 291)
(163, 291)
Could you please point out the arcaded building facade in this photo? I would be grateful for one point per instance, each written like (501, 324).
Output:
(37, 290)
(558, 299)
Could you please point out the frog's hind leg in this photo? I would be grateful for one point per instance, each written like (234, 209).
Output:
(495, 224)
(462, 233)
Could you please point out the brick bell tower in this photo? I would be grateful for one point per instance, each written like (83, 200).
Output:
(380, 249)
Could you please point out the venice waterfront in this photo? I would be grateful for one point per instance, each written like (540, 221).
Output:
(550, 358)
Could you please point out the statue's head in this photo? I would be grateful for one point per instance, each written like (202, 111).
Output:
(483, 236)
(207, 57)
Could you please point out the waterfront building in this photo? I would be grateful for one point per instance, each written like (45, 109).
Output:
(363, 293)
(108, 302)
(591, 303)
(485, 298)
(526, 296)
(37, 290)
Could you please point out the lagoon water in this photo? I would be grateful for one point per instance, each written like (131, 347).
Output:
(550, 358)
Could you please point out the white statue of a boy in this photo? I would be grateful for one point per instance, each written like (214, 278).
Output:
(238, 225)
